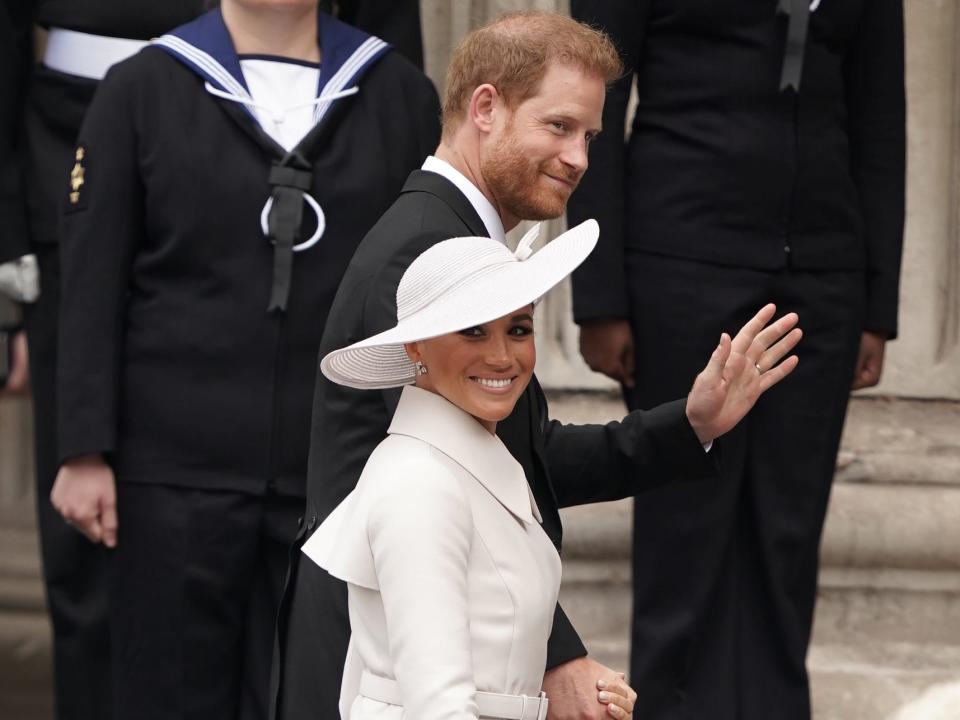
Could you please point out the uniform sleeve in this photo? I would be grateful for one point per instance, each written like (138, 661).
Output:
(420, 532)
(876, 105)
(101, 228)
(600, 283)
(16, 27)
(647, 449)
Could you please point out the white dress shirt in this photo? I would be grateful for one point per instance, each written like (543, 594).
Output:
(452, 581)
(485, 209)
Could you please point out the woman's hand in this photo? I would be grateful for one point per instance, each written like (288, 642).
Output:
(85, 494)
(617, 696)
(583, 689)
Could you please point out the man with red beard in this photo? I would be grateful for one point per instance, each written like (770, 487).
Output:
(523, 100)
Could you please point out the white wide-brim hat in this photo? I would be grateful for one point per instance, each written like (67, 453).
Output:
(457, 284)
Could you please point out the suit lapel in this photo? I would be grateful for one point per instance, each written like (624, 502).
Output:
(446, 191)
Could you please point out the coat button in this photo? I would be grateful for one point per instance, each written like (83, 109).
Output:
(313, 522)
(299, 522)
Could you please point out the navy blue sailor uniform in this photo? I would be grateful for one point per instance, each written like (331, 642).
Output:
(200, 261)
(765, 163)
(43, 106)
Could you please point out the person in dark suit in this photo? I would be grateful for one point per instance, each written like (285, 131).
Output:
(766, 160)
(523, 101)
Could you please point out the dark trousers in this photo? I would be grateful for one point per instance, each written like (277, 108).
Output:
(74, 569)
(195, 584)
(309, 669)
(725, 573)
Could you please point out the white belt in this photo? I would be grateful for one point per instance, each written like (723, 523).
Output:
(84, 55)
(490, 705)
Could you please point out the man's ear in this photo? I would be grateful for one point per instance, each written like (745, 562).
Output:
(484, 104)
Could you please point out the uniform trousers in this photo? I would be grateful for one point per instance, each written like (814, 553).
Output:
(195, 583)
(313, 658)
(725, 572)
(74, 569)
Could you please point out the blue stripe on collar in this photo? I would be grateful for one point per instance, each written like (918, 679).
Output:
(205, 46)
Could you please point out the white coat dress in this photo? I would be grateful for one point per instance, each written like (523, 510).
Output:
(452, 582)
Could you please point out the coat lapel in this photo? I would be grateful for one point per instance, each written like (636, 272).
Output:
(436, 421)
(446, 191)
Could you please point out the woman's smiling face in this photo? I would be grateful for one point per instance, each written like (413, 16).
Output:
(483, 370)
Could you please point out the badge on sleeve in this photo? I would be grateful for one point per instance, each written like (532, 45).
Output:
(77, 197)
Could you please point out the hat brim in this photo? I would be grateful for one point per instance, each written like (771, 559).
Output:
(381, 361)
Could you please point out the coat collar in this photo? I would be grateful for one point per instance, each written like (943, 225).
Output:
(445, 191)
(436, 421)
(485, 209)
(204, 46)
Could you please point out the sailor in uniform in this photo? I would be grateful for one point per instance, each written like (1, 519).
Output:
(220, 182)
(43, 107)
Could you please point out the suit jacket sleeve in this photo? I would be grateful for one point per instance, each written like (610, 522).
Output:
(874, 77)
(100, 233)
(421, 531)
(600, 283)
(16, 27)
(648, 448)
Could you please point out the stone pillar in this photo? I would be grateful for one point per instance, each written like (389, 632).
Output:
(925, 360)
(16, 463)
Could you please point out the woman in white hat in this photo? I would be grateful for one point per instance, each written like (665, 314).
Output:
(452, 582)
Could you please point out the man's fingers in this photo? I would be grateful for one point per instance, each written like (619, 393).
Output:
(753, 327)
(865, 377)
(773, 332)
(779, 350)
(628, 366)
(108, 521)
(714, 370)
(90, 526)
(778, 373)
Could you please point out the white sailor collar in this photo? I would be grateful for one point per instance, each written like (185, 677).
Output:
(433, 419)
(204, 45)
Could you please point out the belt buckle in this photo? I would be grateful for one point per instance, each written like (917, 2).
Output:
(539, 709)
(543, 705)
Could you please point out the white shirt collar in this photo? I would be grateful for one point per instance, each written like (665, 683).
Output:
(488, 214)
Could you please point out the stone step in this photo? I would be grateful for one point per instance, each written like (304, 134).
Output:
(848, 682)
(25, 666)
(873, 681)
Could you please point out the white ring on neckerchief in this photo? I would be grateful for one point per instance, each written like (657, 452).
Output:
(312, 240)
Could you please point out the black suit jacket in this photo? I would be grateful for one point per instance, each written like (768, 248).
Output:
(565, 464)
